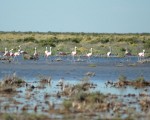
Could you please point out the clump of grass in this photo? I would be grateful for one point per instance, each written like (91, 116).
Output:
(81, 96)
(90, 74)
(92, 65)
(83, 87)
(95, 97)
(138, 82)
(140, 79)
(132, 64)
(85, 79)
(8, 117)
(83, 101)
(122, 78)
(45, 79)
(12, 80)
(23, 116)
(7, 90)
(67, 104)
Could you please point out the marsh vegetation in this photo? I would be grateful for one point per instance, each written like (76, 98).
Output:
(64, 42)
(114, 87)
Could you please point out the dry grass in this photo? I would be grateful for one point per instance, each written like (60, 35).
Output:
(66, 41)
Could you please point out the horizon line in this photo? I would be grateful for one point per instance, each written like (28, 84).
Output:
(75, 32)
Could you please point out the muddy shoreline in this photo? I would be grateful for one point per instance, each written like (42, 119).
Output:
(85, 95)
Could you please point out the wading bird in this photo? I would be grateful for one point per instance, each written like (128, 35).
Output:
(16, 54)
(73, 53)
(21, 51)
(47, 54)
(109, 53)
(89, 54)
(141, 54)
(6, 53)
(46, 51)
(35, 54)
(127, 54)
(11, 53)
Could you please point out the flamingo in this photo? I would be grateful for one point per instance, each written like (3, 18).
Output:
(73, 53)
(141, 54)
(6, 52)
(46, 51)
(35, 54)
(50, 52)
(89, 54)
(47, 54)
(16, 54)
(21, 51)
(109, 53)
(11, 53)
(127, 54)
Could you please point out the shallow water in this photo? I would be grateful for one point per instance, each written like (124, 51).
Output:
(104, 68)
(73, 72)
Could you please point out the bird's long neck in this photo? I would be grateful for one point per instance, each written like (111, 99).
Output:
(19, 50)
(75, 49)
(5, 50)
(50, 49)
(35, 51)
(11, 50)
(91, 50)
(126, 51)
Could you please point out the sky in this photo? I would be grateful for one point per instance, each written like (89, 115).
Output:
(91, 16)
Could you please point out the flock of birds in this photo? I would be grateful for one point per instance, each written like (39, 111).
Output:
(48, 53)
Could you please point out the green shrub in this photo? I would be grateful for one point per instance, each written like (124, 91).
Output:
(122, 49)
(29, 39)
(67, 104)
(140, 79)
(76, 40)
(104, 40)
(122, 78)
(8, 117)
(147, 44)
(19, 40)
(47, 43)
(95, 97)
(81, 96)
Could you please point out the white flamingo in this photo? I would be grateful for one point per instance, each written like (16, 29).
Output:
(127, 54)
(35, 54)
(47, 54)
(6, 52)
(11, 53)
(141, 54)
(89, 54)
(21, 51)
(16, 54)
(109, 53)
(46, 51)
(73, 53)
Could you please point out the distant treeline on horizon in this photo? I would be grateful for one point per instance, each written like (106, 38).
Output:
(73, 33)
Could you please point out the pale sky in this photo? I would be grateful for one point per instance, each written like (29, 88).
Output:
(100, 16)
